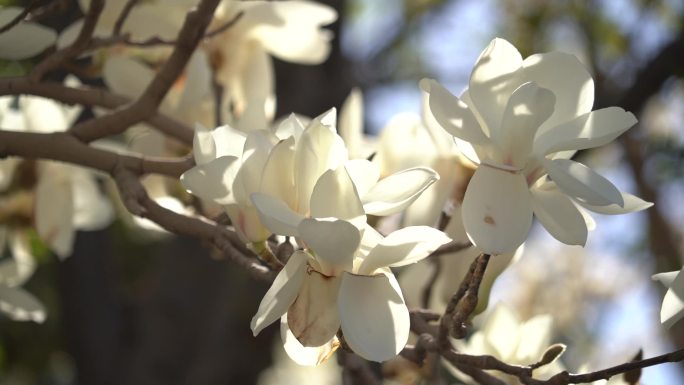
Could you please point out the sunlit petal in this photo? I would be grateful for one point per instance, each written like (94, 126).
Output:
(313, 317)
(212, 181)
(395, 192)
(559, 216)
(276, 215)
(333, 241)
(305, 355)
(334, 195)
(583, 183)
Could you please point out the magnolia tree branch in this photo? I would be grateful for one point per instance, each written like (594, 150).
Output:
(191, 33)
(92, 97)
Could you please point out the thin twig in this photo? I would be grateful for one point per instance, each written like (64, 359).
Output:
(118, 25)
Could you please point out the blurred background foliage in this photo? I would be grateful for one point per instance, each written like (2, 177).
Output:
(126, 309)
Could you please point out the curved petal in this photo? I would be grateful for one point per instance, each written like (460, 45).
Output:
(305, 355)
(631, 204)
(282, 292)
(54, 209)
(20, 305)
(203, 145)
(335, 196)
(497, 210)
(126, 76)
(17, 270)
(350, 126)
(574, 90)
(452, 113)
(374, 318)
(666, 278)
(403, 247)
(395, 192)
(528, 107)
(277, 179)
(276, 215)
(229, 141)
(363, 173)
(559, 216)
(334, 243)
(593, 129)
(198, 80)
(212, 181)
(291, 30)
(25, 39)
(673, 303)
(313, 317)
(493, 80)
(92, 209)
(583, 183)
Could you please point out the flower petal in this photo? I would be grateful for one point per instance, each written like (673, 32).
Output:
(583, 183)
(528, 107)
(126, 76)
(673, 302)
(17, 270)
(364, 174)
(574, 90)
(313, 317)
(350, 126)
(497, 210)
(305, 355)
(212, 181)
(20, 305)
(54, 208)
(334, 243)
(229, 141)
(203, 145)
(631, 202)
(452, 113)
(276, 215)
(25, 39)
(403, 247)
(277, 179)
(282, 292)
(666, 278)
(494, 73)
(374, 318)
(335, 196)
(395, 192)
(559, 216)
(593, 129)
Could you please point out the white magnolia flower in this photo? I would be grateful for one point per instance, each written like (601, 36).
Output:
(504, 336)
(289, 30)
(16, 303)
(343, 281)
(25, 39)
(521, 121)
(673, 304)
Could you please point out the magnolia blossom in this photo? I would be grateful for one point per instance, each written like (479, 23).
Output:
(342, 281)
(504, 336)
(25, 39)
(521, 121)
(673, 303)
(16, 303)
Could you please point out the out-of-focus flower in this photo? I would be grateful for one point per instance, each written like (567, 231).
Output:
(25, 39)
(16, 303)
(510, 340)
(289, 30)
(520, 122)
(673, 303)
(342, 280)
(285, 371)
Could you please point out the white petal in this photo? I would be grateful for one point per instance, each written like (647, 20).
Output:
(403, 247)
(203, 145)
(534, 337)
(559, 216)
(374, 318)
(501, 331)
(126, 76)
(494, 73)
(17, 270)
(632, 204)
(593, 129)
(54, 209)
(364, 174)
(452, 113)
(198, 80)
(497, 210)
(350, 127)
(395, 192)
(666, 278)
(282, 292)
(583, 183)
(25, 39)
(334, 196)
(20, 305)
(276, 215)
(313, 317)
(92, 209)
(673, 303)
(45, 115)
(253, 95)
(229, 141)
(305, 355)
(318, 149)
(154, 20)
(290, 126)
(278, 176)
(574, 90)
(334, 243)
(291, 30)
(247, 222)
(248, 179)
(528, 107)
(212, 181)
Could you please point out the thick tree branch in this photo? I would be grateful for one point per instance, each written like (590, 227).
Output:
(194, 27)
